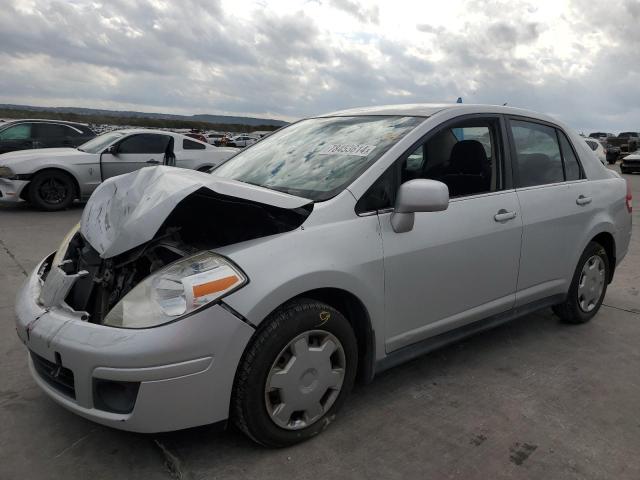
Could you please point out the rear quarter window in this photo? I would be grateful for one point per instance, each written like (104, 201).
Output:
(572, 168)
(191, 145)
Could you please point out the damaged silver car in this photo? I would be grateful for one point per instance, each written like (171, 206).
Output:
(336, 248)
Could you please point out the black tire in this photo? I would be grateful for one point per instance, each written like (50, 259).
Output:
(249, 407)
(570, 311)
(52, 190)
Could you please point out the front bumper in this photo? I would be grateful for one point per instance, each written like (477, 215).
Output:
(10, 190)
(184, 370)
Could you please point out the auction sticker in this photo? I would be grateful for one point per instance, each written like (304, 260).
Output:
(357, 149)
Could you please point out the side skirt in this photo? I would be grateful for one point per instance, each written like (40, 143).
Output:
(410, 352)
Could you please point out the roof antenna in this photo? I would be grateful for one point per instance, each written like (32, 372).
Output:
(504, 104)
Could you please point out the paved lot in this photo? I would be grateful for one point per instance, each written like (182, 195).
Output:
(531, 399)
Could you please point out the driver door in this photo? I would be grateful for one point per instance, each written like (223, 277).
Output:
(461, 264)
(135, 152)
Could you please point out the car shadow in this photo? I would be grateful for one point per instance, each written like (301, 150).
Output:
(22, 207)
(438, 378)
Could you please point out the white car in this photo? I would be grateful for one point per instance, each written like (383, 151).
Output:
(598, 149)
(212, 138)
(243, 141)
(52, 178)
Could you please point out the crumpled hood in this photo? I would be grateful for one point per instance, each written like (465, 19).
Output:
(127, 211)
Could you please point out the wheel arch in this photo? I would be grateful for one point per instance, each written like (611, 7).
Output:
(25, 191)
(356, 313)
(608, 242)
(354, 310)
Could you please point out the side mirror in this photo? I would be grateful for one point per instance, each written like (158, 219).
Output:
(418, 195)
(112, 149)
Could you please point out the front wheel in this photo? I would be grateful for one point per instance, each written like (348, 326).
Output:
(588, 286)
(51, 190)
(296, 374)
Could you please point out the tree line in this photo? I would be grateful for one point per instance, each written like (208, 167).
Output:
(133, 121)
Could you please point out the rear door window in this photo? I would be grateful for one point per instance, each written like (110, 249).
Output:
(538, 157)
(191, 145)
(51, 130)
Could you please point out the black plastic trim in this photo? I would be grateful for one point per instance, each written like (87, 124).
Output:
(410, 352)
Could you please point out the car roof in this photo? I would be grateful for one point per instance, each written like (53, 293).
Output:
(429, 109)
(42, 120)
(128, 131)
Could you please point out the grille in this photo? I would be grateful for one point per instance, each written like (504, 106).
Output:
(55, 375)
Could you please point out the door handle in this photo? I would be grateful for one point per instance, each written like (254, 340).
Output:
(503, 215)
(582, 200)
(154, 162)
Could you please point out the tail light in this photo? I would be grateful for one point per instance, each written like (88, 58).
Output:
(629, 198)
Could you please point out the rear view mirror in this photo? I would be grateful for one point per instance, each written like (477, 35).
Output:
(112, 149)
(418, 195)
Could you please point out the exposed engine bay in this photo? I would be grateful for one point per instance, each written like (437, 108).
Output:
(202, 220)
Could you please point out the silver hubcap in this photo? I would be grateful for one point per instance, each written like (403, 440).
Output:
(305, 380)
(591, 283)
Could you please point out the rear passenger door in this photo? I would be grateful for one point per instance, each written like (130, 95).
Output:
(555, 201)
(459, 265)
(53, 135)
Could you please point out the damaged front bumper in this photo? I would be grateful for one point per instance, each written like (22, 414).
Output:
(11, 190)
(170, 377)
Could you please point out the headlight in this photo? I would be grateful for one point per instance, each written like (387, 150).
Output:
(62, 249)
(6, 172)
(176, 290)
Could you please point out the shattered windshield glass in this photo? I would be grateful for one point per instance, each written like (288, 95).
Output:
(317, 158)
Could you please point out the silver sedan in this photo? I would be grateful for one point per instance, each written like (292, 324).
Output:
(332, 250)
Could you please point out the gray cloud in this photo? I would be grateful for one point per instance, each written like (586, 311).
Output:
(196, 56)
(369, 14)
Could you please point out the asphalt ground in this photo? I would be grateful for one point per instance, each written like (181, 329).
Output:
(531, 399)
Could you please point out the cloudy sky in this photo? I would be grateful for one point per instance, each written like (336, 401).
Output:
(575, 59)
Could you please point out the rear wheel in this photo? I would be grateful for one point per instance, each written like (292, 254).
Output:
(588, 287)
(296, 374)
(52, 190)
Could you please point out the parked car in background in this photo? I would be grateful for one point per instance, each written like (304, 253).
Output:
(613, 152)
(598, 149)
(630, 163)
(212, 138)
(51, 179)
(334, 249)
(198, 136)
(242, 141)
(627, 142)
(601, 135)
(28, 134)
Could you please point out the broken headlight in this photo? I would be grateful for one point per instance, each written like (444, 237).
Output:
(6, 172)
(62, 249)
(176, 290)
